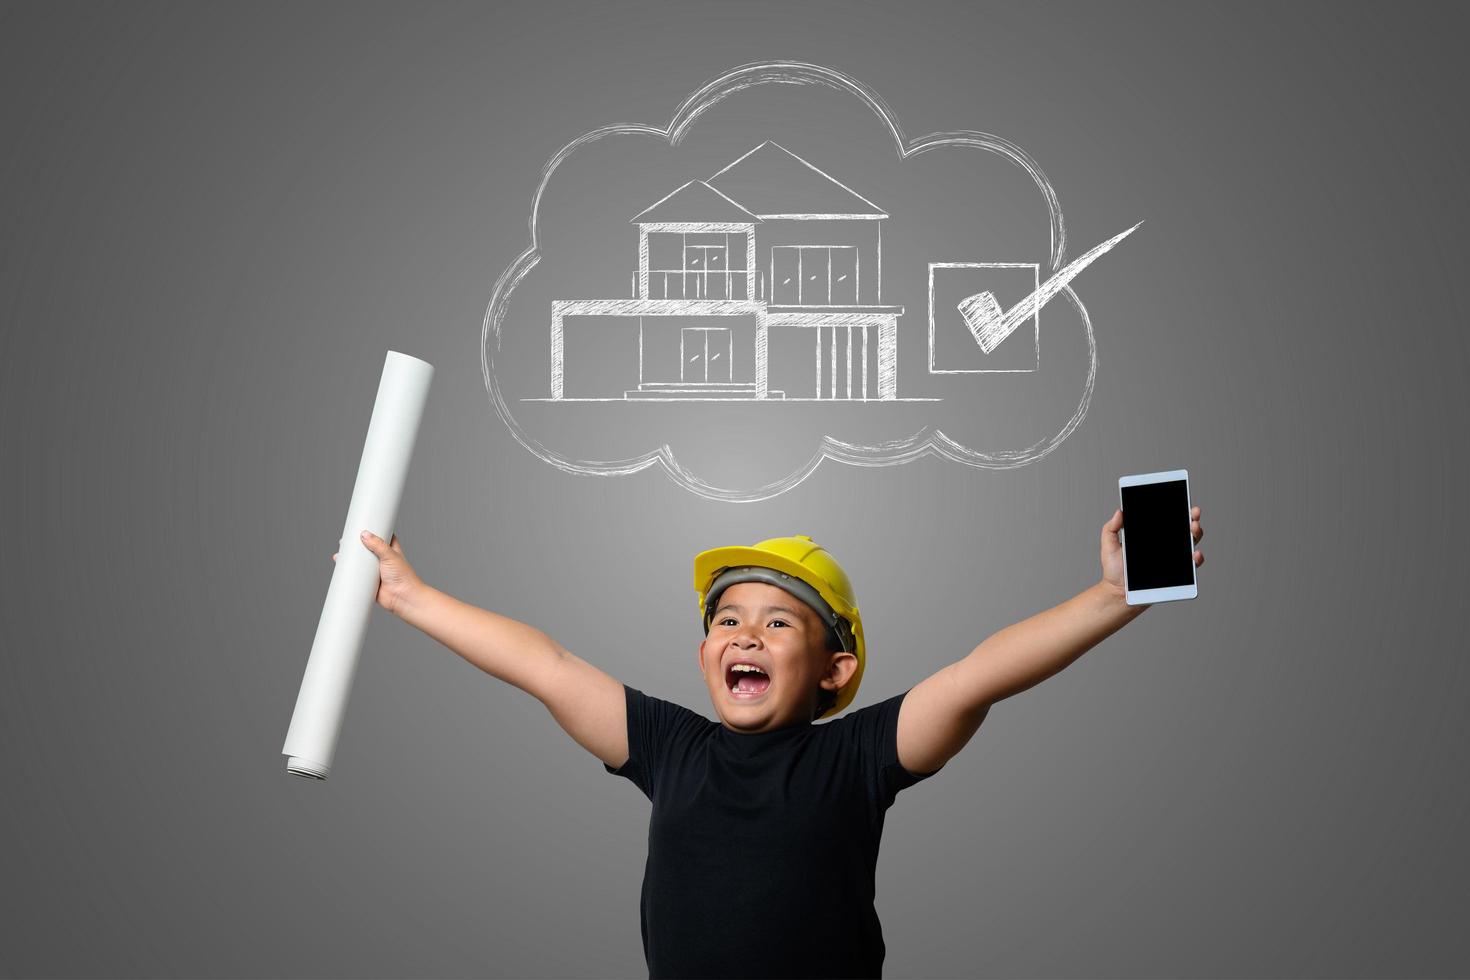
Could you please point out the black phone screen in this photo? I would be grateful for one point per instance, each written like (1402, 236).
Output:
(1157, 544)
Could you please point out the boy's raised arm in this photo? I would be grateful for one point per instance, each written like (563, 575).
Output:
(941, 713)
(587, 703)
(504, 648)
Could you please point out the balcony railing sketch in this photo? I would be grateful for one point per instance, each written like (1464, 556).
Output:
(730, 284)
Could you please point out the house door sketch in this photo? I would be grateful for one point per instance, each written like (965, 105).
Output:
(705, 354)
(814, 275)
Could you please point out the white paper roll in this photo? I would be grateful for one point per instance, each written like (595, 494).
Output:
(311, 741)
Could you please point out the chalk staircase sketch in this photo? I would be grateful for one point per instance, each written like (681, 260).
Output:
(768, 269)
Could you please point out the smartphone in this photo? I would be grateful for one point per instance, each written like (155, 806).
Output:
(1158, 546)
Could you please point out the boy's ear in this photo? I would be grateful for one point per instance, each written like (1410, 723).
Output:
(839, 671)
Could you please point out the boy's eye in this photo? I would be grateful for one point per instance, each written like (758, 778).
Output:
(729, 619)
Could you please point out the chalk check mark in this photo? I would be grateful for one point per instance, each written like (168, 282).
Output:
(990, 324)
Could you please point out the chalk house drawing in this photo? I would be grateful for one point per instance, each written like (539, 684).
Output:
(724, 262)
(720, 274)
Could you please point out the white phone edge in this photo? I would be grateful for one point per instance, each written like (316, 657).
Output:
(1147, 597)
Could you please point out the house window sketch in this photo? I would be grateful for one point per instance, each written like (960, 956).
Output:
(765, 280)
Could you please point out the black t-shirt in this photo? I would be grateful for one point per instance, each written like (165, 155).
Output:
(762, 848)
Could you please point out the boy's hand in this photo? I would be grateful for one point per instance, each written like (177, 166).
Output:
(1112, 549)
(396, 578)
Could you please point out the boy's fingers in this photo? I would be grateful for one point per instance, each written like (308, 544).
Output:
(1197, 531)
(1199, 558)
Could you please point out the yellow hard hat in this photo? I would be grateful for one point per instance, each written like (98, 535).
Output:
(803, 568)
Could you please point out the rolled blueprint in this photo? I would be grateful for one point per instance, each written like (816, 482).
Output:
(311, 741)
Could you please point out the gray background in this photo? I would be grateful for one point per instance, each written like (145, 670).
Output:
(214, 221)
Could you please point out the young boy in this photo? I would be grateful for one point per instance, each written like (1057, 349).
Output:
(763, 840)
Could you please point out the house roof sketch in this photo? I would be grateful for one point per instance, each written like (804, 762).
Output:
(772, 182)
(694, 201)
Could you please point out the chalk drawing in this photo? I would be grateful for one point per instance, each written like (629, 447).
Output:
(722, 266)
(1012, 360)
(712, 265)
(990, 324)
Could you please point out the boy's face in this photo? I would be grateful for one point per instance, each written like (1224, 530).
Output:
(769, 627)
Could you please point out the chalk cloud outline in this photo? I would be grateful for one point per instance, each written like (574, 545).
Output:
(928, 440)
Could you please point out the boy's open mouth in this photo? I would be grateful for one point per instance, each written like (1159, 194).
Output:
(746, 681)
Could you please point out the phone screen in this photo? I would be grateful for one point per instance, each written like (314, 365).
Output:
(1157, 544)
